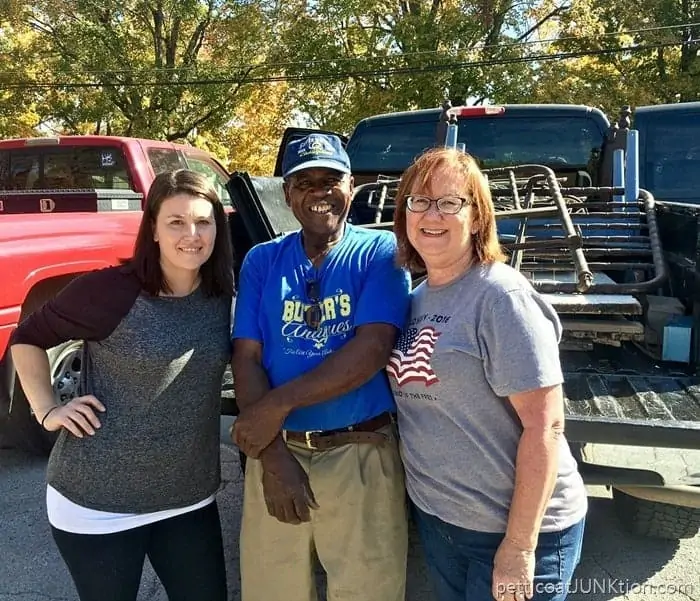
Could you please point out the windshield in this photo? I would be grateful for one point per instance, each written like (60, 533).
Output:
(497, 141)
(671, 163)
(271, 195)
(67, 168)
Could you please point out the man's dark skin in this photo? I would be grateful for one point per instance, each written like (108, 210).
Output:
(263, 410)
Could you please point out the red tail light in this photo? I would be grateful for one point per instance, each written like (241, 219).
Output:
(477, 111)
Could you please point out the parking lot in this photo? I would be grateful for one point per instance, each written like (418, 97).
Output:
(615, 564)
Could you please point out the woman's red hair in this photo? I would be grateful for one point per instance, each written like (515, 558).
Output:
(475, 186)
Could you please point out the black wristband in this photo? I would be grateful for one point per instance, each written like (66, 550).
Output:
(43, 419)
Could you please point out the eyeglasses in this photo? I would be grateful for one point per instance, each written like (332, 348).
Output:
(312, 315)
(445, 204)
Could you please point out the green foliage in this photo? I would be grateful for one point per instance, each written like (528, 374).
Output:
(18, 107)
(140, 55)
(229, 75)
(661, 70)
(379, 55)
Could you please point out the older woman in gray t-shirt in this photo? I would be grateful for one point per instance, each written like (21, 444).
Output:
(495, 490)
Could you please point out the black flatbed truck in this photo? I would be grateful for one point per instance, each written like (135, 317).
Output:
(603, 263)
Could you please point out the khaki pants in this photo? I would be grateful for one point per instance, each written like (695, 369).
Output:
(359, 532)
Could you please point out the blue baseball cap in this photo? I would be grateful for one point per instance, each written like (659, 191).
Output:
(315, 150)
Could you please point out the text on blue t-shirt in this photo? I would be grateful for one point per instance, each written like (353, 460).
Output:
(358, 283)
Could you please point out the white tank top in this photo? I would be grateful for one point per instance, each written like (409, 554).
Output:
(65, 515)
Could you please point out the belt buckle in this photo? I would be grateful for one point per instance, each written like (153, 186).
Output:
(307, 438)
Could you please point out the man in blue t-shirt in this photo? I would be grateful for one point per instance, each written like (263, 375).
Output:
(317, 314)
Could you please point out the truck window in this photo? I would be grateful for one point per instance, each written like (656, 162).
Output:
(67, 168)
(671, 151)
(211, 170)
(164, 159)
(497, 141)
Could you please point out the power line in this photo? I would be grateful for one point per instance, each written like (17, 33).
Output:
(347, 74)
(345, 59)
(473, 64)
(379, 72)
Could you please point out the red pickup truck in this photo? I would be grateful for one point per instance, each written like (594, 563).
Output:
(69, 205)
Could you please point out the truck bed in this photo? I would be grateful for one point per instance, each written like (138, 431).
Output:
(614, 394)
(621, 396)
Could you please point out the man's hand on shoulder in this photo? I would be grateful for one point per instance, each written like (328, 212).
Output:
(286, 487)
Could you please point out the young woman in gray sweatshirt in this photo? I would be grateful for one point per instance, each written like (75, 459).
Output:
(135, 469)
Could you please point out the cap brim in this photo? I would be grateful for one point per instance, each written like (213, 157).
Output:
(319, 163)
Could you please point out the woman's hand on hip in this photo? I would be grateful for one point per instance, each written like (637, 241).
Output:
(513, 572)
(78, 416)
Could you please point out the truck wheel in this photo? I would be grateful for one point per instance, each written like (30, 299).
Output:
(23, 431)
(655, 519)
(20, 429)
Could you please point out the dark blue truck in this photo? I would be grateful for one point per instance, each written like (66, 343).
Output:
(621, 268)
(669, 139)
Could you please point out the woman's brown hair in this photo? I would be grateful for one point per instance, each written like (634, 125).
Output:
(418, 176)
(217, 272)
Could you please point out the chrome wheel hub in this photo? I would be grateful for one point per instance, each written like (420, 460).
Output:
(65, 373)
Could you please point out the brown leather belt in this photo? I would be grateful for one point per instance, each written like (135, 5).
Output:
(364, 432)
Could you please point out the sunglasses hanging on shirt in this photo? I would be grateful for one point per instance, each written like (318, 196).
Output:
(312, 315)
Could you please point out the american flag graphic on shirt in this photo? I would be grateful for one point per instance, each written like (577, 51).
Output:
(410, 359)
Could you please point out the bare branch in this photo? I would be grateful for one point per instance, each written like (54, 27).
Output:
(216, 109)
(171, 47)
(197, 38)
(158, 19)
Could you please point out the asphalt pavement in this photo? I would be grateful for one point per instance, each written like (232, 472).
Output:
(615, 564)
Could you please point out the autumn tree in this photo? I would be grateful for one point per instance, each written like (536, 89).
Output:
(353, 58)
(250, 140)
(230, 75)
(151, 68)
(615, 56)
(18, 106)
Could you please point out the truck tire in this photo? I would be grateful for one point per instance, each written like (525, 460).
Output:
(22, 431)
(655, 519)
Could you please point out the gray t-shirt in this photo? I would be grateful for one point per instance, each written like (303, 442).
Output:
(157, 364)
(467, 346)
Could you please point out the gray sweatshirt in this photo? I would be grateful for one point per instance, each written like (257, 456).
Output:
(156, 363)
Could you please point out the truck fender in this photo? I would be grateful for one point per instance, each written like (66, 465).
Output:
(48, 273)
(18, 426)
(41, 285)
(41, 290)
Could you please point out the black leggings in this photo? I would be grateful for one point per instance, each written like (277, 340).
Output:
(186, 553)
